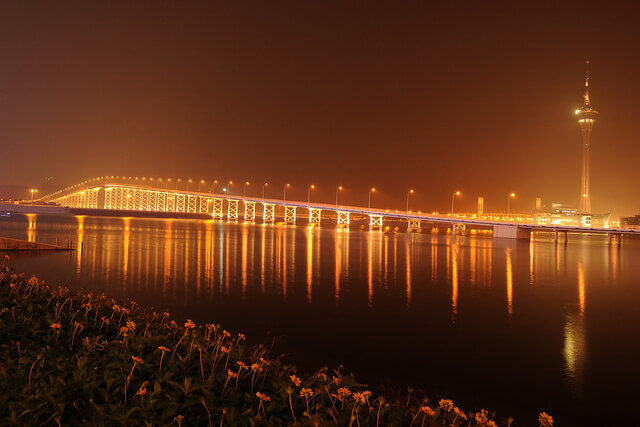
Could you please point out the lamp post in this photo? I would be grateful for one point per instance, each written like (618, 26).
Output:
(409, 193)
(33, 190)
(265, 185)
(199, 184)
(177, 183)
(213, 186)
(371, 190)
(311, 187)
(229, 186)
(453, 199)
(284, 192)
(511, 196)
(166, 183)
(189, 182)
(244, 188)
(338, 193)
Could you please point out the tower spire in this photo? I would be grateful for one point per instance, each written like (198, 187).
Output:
(587, 102)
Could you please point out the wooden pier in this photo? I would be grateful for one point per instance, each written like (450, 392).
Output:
(7, 244)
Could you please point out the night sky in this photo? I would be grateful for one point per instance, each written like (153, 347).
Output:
(395, 95)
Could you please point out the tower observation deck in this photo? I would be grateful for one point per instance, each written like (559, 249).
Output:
(586, 118)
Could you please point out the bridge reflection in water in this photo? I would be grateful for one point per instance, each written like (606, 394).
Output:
(339, 296)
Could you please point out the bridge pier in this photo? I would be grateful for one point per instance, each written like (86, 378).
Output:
(232, 210)
(268, 214)
(613, 237)
(344, 218)
(375, 222)
(413, 225)
(511, 232)
(289, 214)
(314, 216)
(458, 229)
(217, 209)
(249, 211)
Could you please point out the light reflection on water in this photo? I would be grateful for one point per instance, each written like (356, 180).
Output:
(470, 317)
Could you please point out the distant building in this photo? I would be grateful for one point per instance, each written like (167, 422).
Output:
(630, 221)
(563, 215)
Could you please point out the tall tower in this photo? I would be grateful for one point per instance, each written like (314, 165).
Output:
(586, 119)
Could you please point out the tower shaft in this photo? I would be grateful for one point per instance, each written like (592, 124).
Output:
(586, 119)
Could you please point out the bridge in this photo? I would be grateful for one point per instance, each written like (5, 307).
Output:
(107, 194)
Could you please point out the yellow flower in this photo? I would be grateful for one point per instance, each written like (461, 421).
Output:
(131, 324)
(265, 362)
(241, 364)
(359, 397)
(481, 417)
(241, 337)
(459, 413)
(428, 411)
(545, 419)
(105, 320)
(322, 376)
(232, 374)
(263, 397)
(255, 367)
(55, 326)
(336, 380)
(189, 324)
(142, 391)
(124, 330)
(306, 393)
(446, 404)
(137, 360)
(295, 380)
(344, 392)
(163, 348)
(491, 424)
(225, 349)
(226, 334)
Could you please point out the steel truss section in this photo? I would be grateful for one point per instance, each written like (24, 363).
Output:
(232, 210)
(314, 216)
(192, 204)
(218, 212)
(414, 225)
(162, 202)
(375, 222)
(109, 196)
(171, 202)
(249, 211)
(145, 200)
(181, 204)
(153, 200)
(344, 218)
(137, 200)
(269, 213)
(289, 214)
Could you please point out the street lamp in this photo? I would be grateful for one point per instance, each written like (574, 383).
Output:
(33, 190)
(179, 180)
(213, 186)
(167, 183)
(199, 184)
(189, 182)
(453, 199)
(371, 190)
(229, 186)
(265, 185)
(512, 195)
(244, 188)
(337, 193)
(409, 193)
(311, 187)
(284, 193)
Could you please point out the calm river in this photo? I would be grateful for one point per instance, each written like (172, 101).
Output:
(510, 326)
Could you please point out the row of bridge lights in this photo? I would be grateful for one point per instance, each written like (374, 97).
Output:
(264, 186)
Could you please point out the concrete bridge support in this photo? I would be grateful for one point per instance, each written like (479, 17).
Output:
(511, 232)
(614, 238)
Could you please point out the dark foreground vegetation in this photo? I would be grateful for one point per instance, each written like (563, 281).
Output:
(70, 358)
